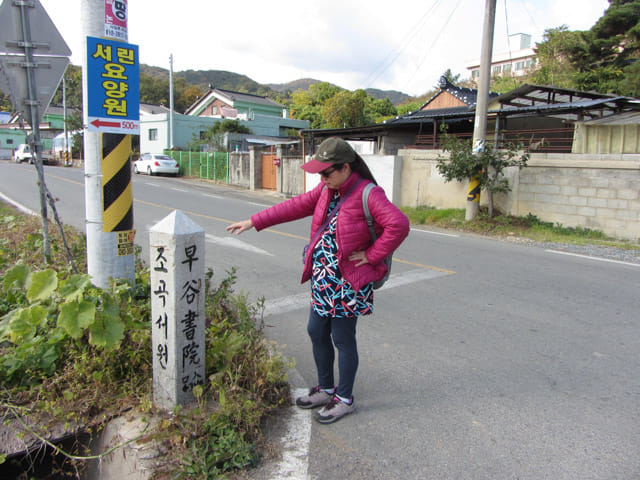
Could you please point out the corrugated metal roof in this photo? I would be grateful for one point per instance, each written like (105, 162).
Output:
(626, 118)
(530, 95)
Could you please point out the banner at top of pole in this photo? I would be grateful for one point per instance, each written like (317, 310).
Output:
(115, 19)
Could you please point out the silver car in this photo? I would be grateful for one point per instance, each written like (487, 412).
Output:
(154, 163)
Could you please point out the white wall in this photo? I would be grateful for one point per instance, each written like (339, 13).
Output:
(385, 168)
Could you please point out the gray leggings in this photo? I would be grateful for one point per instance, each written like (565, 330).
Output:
(325, 332)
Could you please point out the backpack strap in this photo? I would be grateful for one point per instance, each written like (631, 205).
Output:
(367, 213)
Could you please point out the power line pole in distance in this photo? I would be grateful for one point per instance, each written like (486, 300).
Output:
(480, 121)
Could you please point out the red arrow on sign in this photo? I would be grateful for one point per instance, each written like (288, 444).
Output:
(98, 123)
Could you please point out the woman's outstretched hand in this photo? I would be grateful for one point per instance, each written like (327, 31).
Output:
(240, 227)
(360, 257)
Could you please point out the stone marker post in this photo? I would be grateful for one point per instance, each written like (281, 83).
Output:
(177, 262)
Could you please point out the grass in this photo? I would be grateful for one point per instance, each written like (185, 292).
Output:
(501, 225)
(64, 379)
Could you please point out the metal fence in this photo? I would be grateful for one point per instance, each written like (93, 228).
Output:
(209, 165)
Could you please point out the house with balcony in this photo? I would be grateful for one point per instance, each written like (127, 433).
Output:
(518, 60)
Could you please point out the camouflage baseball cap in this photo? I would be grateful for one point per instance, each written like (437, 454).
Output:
(332, 151)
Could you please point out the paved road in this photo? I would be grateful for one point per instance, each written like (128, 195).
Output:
(484, 359)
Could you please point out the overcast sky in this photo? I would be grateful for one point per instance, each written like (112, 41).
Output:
(402, 45)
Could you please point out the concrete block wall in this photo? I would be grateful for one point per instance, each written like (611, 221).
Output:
(422, 184)
(600, 192)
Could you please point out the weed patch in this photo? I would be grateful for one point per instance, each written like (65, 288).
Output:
(502, 225)
(74, 355)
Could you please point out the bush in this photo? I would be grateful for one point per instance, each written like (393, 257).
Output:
(74, 353)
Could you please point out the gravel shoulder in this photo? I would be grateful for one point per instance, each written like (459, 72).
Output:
(630, 255)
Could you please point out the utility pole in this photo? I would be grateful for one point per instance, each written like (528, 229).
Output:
(480, 121)
(171, 102)
(66, 155)
(108, 197)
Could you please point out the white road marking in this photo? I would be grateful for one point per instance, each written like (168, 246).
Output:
(218, 197)
(287, 304)
(297, 438)
(235, 243)
(179, 189)
(258, 204)
(435, 233)
(301, 300)
(599, 259)
(18, 205)
(295, 450)
(152, 184)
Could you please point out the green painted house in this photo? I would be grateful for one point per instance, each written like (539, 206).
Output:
(12, 134)
(268, 120)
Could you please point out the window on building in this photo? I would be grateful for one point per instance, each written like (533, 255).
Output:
(529, 63)
(202, 135)
(9, 141)
(497, 69)
(214, 110)
(506, 68)
(475, 73)
(153, 134)
(519, 65)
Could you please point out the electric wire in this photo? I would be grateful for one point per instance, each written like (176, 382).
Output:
(384, 65)
(531, 17)
(432, 45)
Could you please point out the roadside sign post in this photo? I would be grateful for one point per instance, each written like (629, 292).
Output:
(33, 58)
(111, 108)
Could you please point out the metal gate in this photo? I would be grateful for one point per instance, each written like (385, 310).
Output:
(269, 171)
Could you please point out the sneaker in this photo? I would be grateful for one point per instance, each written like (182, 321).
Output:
(316, 397)
(335, 410)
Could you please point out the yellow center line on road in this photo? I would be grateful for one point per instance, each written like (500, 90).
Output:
(65, 179)
(290, 235)
(270, 230)
(420, 265)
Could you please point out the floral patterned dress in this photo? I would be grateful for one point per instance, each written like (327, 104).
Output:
(331, 294)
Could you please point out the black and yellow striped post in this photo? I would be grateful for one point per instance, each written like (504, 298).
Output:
(117, 194)
(473, 193)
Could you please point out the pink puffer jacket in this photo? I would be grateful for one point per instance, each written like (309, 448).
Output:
(352, 233)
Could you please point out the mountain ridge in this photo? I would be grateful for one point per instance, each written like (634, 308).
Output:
(238, 82)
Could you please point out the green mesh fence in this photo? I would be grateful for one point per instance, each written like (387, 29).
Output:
(209, 165)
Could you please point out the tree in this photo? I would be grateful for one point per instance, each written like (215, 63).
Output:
(214, 136)
(5, 104)
(345, 110)
(462, 163)
(560, 55)
(73, 84)
(601, 59)
(307, 104)
(451, 78)
(154, 90)
(187, 97)
(377, 110)
(74, 124)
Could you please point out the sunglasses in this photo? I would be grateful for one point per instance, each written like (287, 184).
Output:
(327, 173)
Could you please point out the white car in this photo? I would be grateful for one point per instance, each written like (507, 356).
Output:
(23, 154)
(154, 163)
